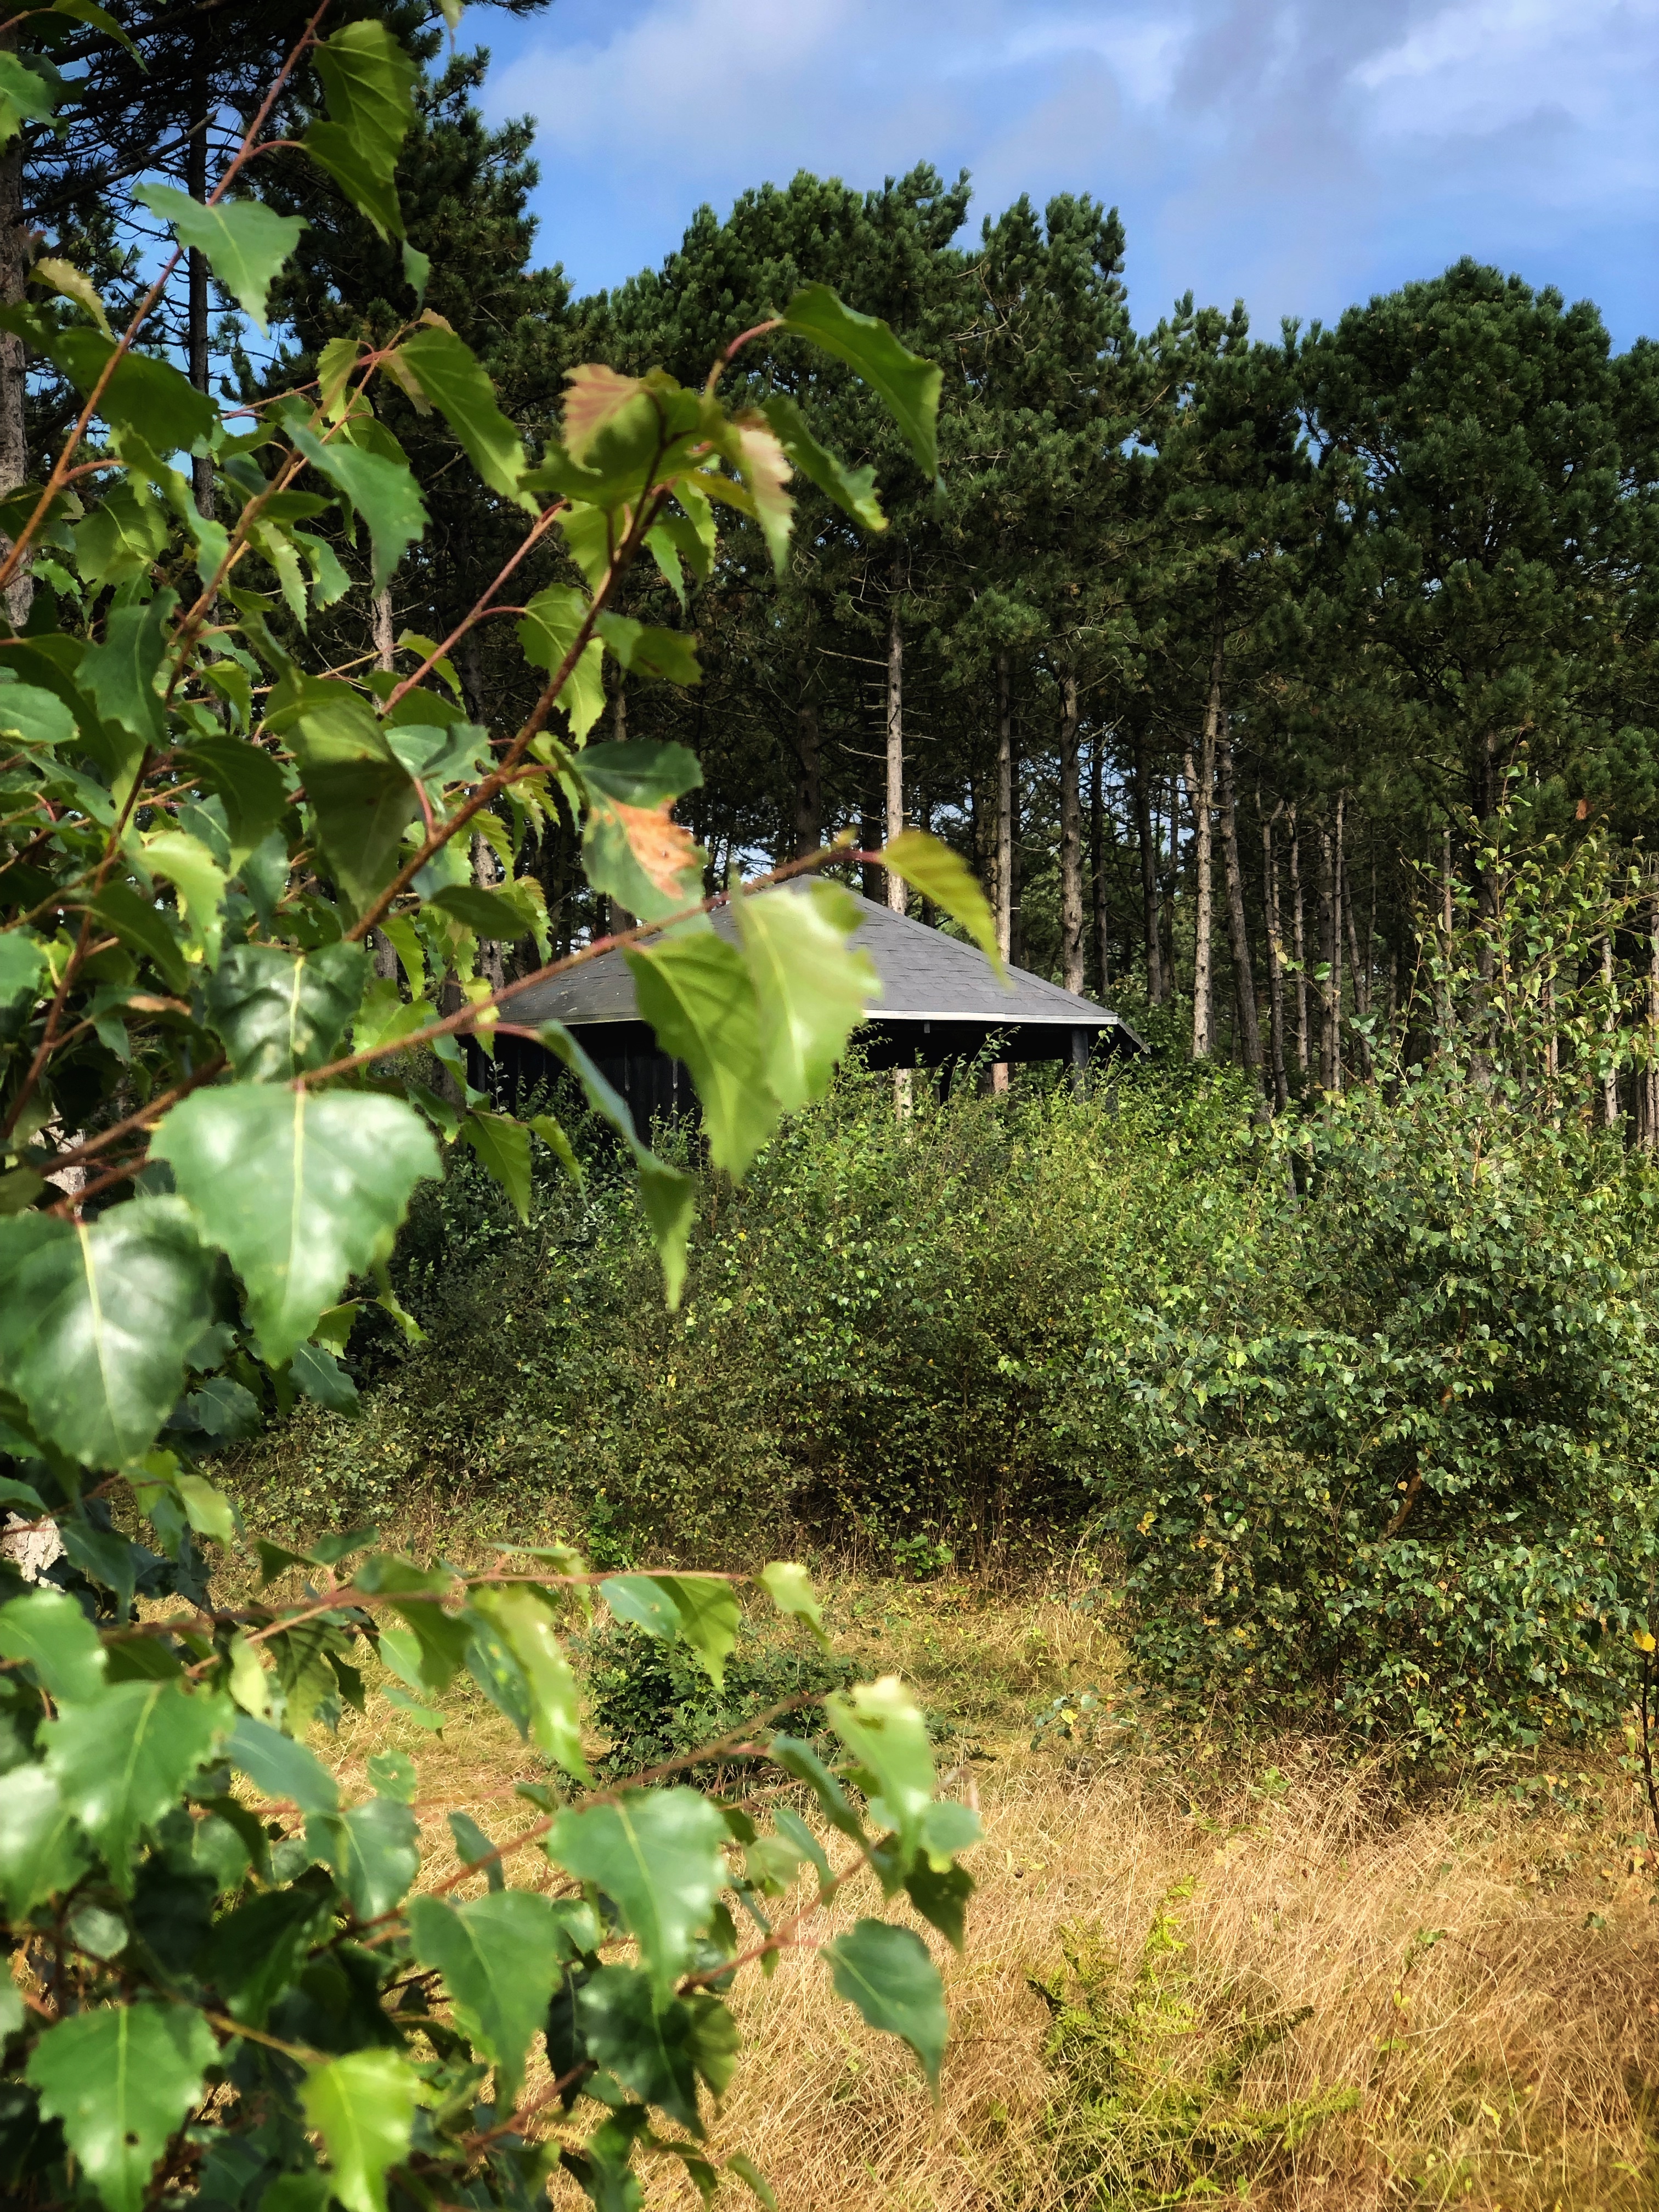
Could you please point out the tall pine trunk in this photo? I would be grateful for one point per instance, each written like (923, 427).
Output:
(1299, 949)
(1151, 919)
(1610, 1028)
(809, 782)
(1340, 888)
(1005, 854)
(1238, 929)
(1097, 866)
(1071, 840)
(1650, 1073)
(895, 891)
(1326, 959)
(1200, 790)
(1281, 1089)
(380, 613)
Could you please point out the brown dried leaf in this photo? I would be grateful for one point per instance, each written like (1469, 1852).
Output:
(596, 396)
(666, 851)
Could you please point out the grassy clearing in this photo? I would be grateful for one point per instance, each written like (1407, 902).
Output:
(1478, 1970)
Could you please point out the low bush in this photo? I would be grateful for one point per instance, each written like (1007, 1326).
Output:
(878, 1333)
(655, 1701)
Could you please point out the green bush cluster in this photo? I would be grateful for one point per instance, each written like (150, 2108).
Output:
(655, 1703)
(878, 1333)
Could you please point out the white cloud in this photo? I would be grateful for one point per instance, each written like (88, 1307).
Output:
(1480, 65)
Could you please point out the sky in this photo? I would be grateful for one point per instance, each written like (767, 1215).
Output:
(1300, 155)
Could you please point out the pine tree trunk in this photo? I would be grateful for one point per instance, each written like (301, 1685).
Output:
(1097, 867)
(1341, 889)
(1238, 928)
(1299, 949)
(896, 891)
(1650, 1081)
(1005, 860)
(1152, 920)
(16, 253)
(808, 784)
(1200, 779)
(1360, 971)
(1327, 960)
(1281, 1089)
(196, 184)
(1070, 841)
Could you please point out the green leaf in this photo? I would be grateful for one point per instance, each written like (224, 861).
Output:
(500, 1956)
(359, 792)
(323, 1381)
(699, 1609)
(43, 1853)
(505, 915)
(524, 1622)
(787, 1586)
(280, 1767)
(364, 2107)
(454, 379)
(65, 279)
(48, 1628)
(697, 993)
(248, 781)
(369, 82)
(942, 876)
(666, 1196)
(377, 1855)
(886, 1972)
(98, 19)
(144, 929)
(941, 1898)
(909, 385)
(547, 632)
(473, 1848)
(854, 490)
(95, 1321)
(245, 241)
(34, 719)
(122, 2081)
(22, 964)
(799, 1758)
(278, 1014)
(657, 1855)
(394, 1774)
(382, 490)
(145, 396)
(502, 1148)
(121, 1762)
(750, 2175)
(417, 266)
(658, 2051)
(302, 1191)
(24, 98)
(120, 673)
(668, 654)
(812, 990)
(186, 863)
(880, 1724)
(256, 1952)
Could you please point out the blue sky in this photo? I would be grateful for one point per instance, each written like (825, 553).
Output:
(1300, 154)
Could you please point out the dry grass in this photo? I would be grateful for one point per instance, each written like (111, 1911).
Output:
(1483, 1966)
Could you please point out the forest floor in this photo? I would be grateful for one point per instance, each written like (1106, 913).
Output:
(1301, 1986)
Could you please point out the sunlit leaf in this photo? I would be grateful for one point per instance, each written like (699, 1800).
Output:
(96, 1318)
(364, 2107)
(886, 1972)
(500, 1956)
(121, 2080)
(658, 1854)
(812, 989)
(453, 378)
(909, 385)
(302, 1191)
(929, 865)
(120, 1761)
(246, 242)
(697, 993)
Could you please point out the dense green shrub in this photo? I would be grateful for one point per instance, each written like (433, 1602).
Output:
(878, 1334)
(655, 1703)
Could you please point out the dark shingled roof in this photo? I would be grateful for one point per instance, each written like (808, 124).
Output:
(925, 976)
